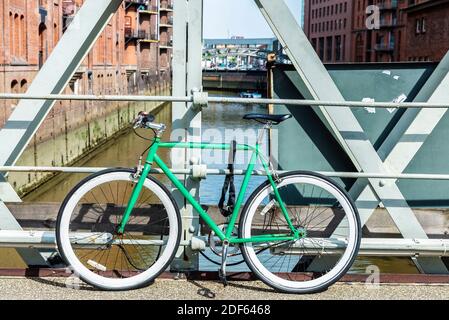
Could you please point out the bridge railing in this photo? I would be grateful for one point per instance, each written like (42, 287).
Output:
(200, 100)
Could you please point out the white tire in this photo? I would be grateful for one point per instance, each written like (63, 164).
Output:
(63, 232)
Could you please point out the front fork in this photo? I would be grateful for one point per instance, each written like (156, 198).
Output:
(138, 187)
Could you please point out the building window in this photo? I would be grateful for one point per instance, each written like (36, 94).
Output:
(16, 33)
(24, 37)
(11, 33)
(337, 48)
(423, 25)
(14, 89)
(23, 86)
(329, 49)
(42, 44)
(321, 48)
(14, 86)
(418, 26)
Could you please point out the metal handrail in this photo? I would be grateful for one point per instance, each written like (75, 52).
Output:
(297, 102)
(408, 176)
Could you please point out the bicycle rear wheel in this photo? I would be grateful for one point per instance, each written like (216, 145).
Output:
(87, 235)
(325, 215)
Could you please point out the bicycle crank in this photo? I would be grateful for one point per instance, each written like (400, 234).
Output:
(216, 245)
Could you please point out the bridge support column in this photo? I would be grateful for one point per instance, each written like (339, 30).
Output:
(187, 55)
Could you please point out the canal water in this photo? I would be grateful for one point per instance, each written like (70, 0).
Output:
(220, 124)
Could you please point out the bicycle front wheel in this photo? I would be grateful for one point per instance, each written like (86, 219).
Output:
(327, 219)
(87, 235)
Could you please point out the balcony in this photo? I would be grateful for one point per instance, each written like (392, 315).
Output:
(150, 38)
(129, 3)
(388, 6)
(388, 23)
(384, 47)
(166, 23)
(166, 44)
(150, 10)
(166, 6)
(131, 34)
(138, 2)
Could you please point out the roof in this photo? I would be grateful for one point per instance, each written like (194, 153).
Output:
(244, 41)
(425, 5)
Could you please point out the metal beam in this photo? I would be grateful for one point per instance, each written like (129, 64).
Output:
(54, 76)
(317, 84)
(319, 246)
(370, 247)
(190, 171)
(409, 135)
(229, 100)
(187, 55)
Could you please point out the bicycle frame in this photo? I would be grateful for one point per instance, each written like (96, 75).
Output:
(153, 158)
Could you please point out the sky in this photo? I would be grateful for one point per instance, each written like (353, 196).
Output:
(226, 18)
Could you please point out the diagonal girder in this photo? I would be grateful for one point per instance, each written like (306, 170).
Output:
(53, 78)
(317, 84)
(410, 133)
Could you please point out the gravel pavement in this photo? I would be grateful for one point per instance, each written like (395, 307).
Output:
(69, 288)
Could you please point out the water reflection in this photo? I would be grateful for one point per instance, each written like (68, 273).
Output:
(223, 123)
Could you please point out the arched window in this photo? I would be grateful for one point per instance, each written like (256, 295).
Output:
(24, 37)
(14, 89)
(42, 43)
(11, 33)
(16, 35)
(23, 85)
(14, 86)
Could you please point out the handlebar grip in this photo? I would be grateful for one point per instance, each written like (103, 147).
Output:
(146, 117)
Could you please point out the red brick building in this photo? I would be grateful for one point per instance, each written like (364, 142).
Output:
(378, 40)
(377, 30)
(132, 54)
(328, 25)
(427, 30)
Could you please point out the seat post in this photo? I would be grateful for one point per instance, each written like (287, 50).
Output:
(266, 126)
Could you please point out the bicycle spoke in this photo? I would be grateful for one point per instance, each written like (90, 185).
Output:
(316, 210)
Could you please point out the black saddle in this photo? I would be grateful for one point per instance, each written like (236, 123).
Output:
(266, 118)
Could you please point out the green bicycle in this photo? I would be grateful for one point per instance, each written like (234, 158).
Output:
(119, 229)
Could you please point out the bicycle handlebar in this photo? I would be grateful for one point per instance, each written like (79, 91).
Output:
(145, 120)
